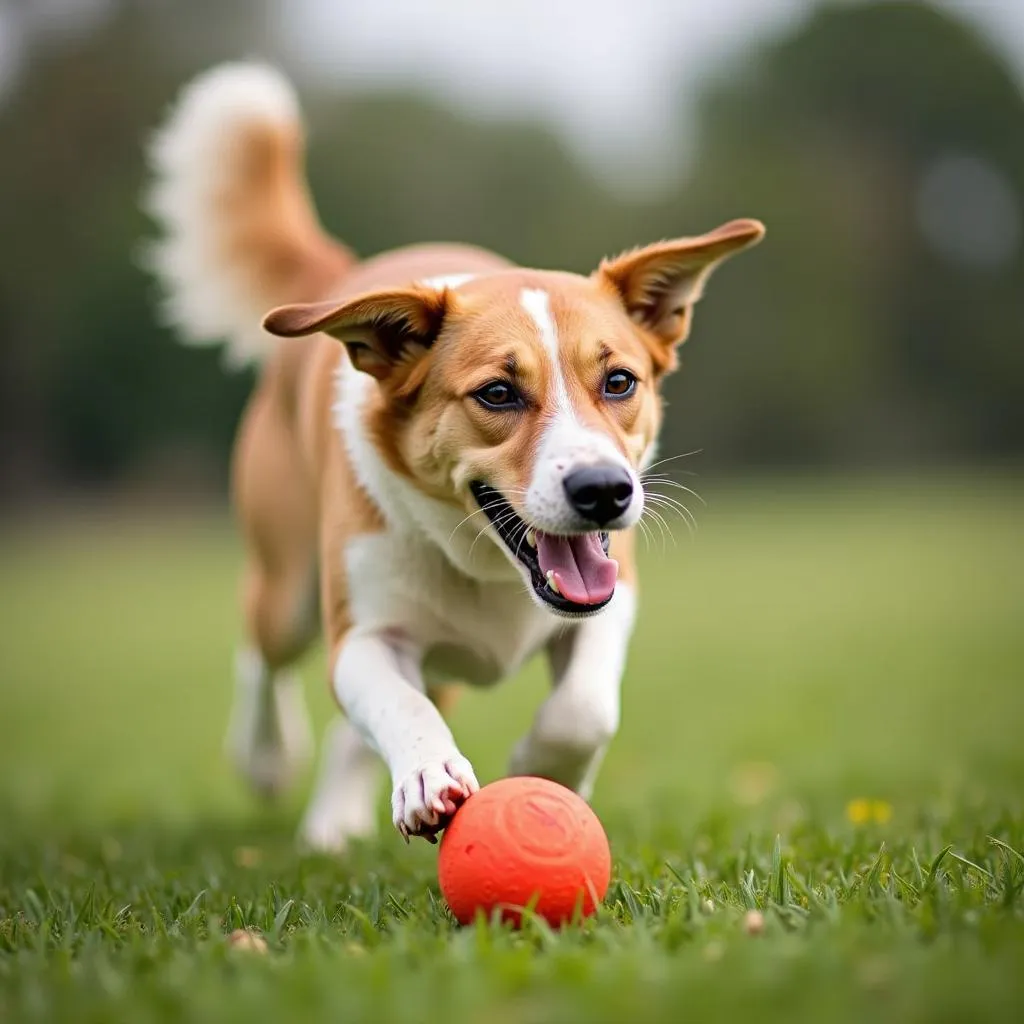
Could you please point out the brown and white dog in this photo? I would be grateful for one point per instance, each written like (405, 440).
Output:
(440, 468)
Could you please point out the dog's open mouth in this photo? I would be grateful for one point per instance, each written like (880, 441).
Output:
(573, 574)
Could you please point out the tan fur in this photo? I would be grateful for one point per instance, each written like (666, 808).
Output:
(295, 489)
(276, 235)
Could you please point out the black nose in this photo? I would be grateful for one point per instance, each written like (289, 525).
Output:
(599, 493)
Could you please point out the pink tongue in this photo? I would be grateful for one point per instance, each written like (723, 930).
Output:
(583, 572)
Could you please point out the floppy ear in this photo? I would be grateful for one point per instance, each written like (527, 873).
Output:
(659, 283)
(381, 330)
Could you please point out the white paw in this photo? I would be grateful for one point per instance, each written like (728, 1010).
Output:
(425, 798)
(344, 803)
(326, 832)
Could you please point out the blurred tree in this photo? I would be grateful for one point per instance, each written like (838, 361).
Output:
(848, 336)
(388, 170)
(88, 384)
(851, 335)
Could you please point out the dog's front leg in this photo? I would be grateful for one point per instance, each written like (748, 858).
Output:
(378, 683)
(574, 726)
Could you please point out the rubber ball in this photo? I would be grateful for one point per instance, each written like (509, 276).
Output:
(524, 842)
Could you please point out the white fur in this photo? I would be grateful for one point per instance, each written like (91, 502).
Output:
(427, 595)
(404, 583)
(447, 281)
(431, 573)
(269, 738)
(423, 596)
(378, 683)
(566, 444)
(537, 303)
(193, 158)
(574, 726)
(343, 805)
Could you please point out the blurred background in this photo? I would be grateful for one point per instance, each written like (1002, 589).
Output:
(882, 143)
(848, 614)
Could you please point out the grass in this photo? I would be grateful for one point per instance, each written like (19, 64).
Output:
(822, 720)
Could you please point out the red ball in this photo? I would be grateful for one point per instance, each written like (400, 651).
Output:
(523, 839)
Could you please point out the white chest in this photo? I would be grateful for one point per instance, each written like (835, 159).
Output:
(430, 575)
(469, 630)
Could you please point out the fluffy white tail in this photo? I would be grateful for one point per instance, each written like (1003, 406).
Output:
(240, 233)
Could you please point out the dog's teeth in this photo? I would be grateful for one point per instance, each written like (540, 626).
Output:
(531, 538)
(552, 582)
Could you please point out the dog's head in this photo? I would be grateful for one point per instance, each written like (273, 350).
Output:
(529, 396)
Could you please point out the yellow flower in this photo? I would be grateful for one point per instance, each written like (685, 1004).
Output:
(881, 811)
(861, 811)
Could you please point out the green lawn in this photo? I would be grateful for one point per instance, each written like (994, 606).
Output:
(813, 644)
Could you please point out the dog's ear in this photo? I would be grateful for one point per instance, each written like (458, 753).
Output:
(383, 331)
(659, 284)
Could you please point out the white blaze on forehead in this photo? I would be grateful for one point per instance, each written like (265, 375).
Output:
(447, 280)
(537, 303)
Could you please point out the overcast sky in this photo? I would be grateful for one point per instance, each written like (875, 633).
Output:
(606, 71)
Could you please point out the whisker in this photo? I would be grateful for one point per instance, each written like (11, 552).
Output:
(500, 521)
(678, 507)
(666, 499)
(672, 458)
(523, 531)
(675, 533)
(646, 532)
(655, 518)
(463, 522)
(678, 486)
(690, 529)
(660, 529)
(666, 531)
(517, 491)
(469, 554)
(669, 474)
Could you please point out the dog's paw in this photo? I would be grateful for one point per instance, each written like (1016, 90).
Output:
(343, 807)
(426, 798)
(324, 831)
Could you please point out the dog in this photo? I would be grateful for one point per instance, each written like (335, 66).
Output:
(439, 470)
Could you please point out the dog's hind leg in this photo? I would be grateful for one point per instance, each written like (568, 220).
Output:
(269, 739)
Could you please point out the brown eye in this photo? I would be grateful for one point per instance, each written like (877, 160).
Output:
(619, 384)
(498, 394)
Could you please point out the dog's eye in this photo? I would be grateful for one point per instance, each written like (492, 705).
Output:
(498, 395)
(619, 384)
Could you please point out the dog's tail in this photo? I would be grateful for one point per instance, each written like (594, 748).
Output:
(239, 230)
